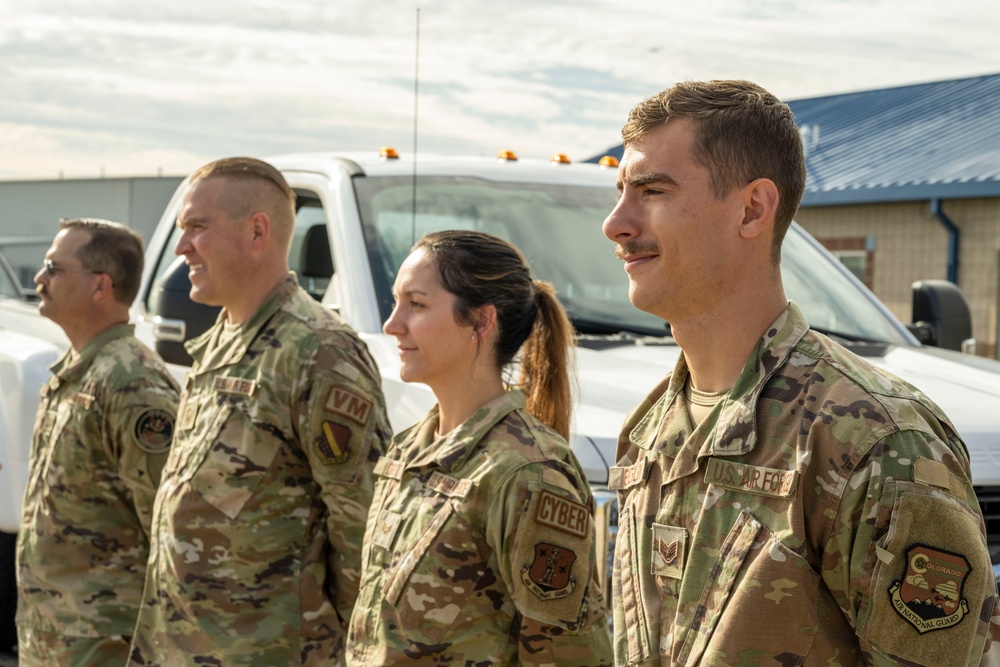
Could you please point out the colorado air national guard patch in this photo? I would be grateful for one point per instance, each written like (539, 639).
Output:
(549, 575)
(930, 594)
(332, 443)
(154, 430)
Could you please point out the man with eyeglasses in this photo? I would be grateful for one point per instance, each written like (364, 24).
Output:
(102, 435)
(258, 524)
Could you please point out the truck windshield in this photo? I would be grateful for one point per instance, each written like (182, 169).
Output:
(558, 228)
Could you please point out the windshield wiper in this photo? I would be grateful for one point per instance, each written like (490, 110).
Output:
(586, 326)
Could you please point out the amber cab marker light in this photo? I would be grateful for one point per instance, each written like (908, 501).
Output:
(388, 153)
(560, 158)
(507, 156)
(609, 161)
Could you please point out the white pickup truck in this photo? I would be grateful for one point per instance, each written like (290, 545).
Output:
(357, 217)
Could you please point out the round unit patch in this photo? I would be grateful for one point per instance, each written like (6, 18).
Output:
(154, 430)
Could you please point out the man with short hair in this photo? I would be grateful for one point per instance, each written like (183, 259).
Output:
(101, 438)
(781, 500)
(258, 527)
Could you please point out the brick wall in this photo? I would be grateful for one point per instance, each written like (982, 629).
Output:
(910, 243)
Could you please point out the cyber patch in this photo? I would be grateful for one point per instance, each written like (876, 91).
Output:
(562, 514)
(154, 429)
(929, 596)
(331, 444)
(550, 576)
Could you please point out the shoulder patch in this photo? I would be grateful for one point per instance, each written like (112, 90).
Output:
(331, 445)
(153, 431)
(349, 404)
(929, 596)
(549, 576)
(561, 513)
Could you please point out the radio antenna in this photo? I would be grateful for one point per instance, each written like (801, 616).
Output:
(416, 98)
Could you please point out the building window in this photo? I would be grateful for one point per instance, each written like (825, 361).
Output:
(856, 253)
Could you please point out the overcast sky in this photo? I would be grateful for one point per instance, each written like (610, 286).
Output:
(134, 88)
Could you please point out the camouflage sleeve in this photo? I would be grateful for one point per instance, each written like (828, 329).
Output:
(140, 420)
(343, 429)
(915, 578)
(542, 527)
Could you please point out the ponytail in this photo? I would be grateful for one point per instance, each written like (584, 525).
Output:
(546, 360)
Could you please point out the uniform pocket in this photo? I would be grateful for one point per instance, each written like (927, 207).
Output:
(632, 641)
(428, 586)
(755, 579)
(234, 463)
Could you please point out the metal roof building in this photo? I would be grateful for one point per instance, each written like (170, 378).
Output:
(932, 140)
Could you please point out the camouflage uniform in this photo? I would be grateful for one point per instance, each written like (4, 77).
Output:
(480, 549)
(808, 520)
(101, 438)
(258, 525)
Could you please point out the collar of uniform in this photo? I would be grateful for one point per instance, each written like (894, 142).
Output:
(731, 429)
(208, 359)
(654, 431)
(455, 447)
(72, 366)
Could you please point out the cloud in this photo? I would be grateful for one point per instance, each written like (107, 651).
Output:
(138, 85)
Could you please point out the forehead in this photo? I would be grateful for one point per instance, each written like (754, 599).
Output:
(418, 271)
(672, 142)
(203, 194)
(68, 241)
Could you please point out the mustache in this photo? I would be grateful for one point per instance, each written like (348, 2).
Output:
(40, 290)
(636, 247)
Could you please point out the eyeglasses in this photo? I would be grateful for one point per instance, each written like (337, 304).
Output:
(51, 269)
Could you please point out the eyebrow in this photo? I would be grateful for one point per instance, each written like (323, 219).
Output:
(647, 178)
(409, 292)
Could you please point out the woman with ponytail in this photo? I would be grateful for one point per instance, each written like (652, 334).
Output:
(479, 547)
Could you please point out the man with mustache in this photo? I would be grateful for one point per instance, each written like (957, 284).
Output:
(102, 435)
(781, 500)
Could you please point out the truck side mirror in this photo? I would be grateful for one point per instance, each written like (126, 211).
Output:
(941, 315)
(179, 318)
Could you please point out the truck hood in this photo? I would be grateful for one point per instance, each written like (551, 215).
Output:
(613, 380)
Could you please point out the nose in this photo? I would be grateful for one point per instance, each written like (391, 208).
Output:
(620, 225)
(183, 245)
(42, 277)
(394, 325)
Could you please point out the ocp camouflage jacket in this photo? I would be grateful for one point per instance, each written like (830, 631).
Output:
(822, 514)
(479, 549)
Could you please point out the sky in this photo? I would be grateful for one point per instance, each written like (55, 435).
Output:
(126, 88)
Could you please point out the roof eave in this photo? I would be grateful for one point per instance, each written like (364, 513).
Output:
(901, 193)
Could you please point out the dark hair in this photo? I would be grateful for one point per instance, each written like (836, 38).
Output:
(257, 186)
(742, 132)
(480, 269)
(113, 249)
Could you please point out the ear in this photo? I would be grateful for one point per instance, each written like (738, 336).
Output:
(260, 228)
(103, 290)
(760, 207)
(486, 320)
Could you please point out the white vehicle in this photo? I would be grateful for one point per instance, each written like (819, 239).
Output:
(358, 215)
